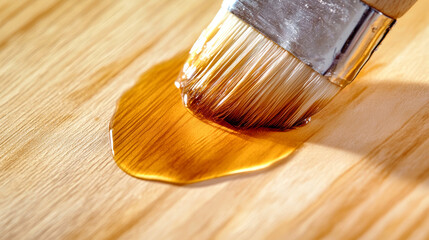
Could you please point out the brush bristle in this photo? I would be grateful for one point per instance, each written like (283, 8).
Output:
(237, 75)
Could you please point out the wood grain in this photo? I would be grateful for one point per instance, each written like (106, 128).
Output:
(364, 173)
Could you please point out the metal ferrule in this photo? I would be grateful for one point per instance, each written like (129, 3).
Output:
(334, 37)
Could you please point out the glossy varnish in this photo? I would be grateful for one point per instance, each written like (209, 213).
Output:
(154, 136)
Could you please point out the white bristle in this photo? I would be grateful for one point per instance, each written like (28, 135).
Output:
(237, 75)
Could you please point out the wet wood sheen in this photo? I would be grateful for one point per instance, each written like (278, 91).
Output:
(362, 170)
(154, 136)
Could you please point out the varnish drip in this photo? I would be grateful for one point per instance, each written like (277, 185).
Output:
(154, 137)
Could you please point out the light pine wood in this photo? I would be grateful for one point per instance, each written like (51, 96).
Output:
(363, 173)
(392, 8)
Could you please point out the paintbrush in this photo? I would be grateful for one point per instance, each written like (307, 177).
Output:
(275, 63)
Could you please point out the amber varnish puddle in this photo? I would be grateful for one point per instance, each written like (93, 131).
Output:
(155, 138)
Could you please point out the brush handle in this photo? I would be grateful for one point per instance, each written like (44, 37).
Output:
(391, 8)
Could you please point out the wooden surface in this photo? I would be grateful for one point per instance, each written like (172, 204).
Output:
(63, 65)
(392, 8)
